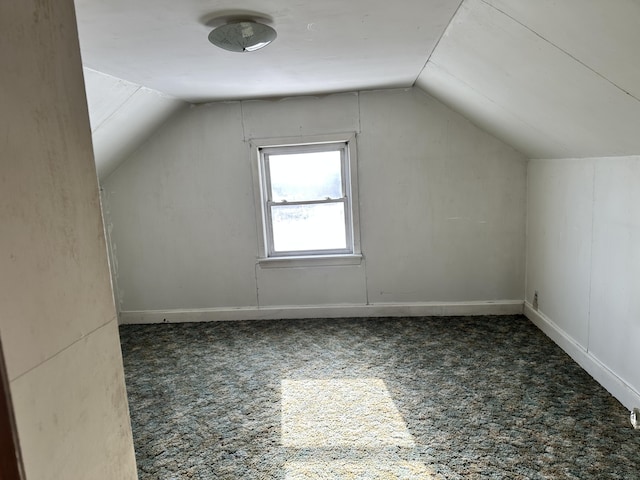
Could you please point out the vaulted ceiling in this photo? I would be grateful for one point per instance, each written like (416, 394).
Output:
(554, 79)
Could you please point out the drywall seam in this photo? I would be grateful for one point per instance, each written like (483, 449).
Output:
(359, 205)
(526, 229)
(593, 215)
(50, 357)
(418, 309)
(615, 385)
(359, 115)
(244, 130)
(116, 110)
(111, 248)
(560, 49)
(444, 32)
(255, 272)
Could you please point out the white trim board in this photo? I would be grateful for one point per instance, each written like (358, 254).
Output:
(617, 387)
(499, 307)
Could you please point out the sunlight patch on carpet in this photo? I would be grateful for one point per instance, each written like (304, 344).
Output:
(360, 470)
(356, 412)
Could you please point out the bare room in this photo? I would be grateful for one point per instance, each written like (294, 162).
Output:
(320, 240)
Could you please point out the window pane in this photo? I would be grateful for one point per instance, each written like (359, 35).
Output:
(305, 176)
(308, 227)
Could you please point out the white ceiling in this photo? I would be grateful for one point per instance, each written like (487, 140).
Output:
(322, 46)
(554, 79)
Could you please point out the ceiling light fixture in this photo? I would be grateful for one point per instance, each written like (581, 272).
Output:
(242, 36)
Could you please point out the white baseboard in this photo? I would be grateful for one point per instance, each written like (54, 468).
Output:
(617, 387)
(502, 307)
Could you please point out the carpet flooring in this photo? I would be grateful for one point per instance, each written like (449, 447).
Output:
(390, 398)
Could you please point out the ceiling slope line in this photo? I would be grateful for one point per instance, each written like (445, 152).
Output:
(561, 49)
(130, 82)
(116, 110)
(501, 107)
(437, 43)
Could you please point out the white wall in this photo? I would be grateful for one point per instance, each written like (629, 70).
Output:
(58, 323)
(441, 210)
(584, 260)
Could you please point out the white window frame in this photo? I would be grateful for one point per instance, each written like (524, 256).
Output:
(266, 254)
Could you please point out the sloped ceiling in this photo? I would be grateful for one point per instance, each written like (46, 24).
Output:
(555, 79)
(122, 115)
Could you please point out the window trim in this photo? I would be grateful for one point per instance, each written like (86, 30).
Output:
(264, 154)
(350, 255)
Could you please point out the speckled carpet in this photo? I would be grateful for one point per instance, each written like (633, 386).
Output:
(405, 398)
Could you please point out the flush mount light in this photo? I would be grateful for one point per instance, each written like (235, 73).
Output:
(242, 36)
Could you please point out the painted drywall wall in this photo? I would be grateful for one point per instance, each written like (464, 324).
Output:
(441, 209)
(583, 260)
(58, 321)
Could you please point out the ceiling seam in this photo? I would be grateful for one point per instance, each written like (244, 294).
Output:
(437, 43)
(116, 110)
(561, 49)
(135, 84)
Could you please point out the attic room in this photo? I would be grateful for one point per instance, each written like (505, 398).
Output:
(477, 316)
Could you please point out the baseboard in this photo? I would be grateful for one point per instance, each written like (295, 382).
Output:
(503, 307)
(617, 387)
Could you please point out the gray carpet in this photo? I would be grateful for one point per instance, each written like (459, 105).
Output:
(444, 398)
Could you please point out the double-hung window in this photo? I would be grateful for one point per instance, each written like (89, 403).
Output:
(307, 199)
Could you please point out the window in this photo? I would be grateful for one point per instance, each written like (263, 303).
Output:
(306, 199)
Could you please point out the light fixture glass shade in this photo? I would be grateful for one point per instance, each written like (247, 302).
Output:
(242, 36)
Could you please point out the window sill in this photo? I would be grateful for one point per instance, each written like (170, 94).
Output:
(310, 261)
